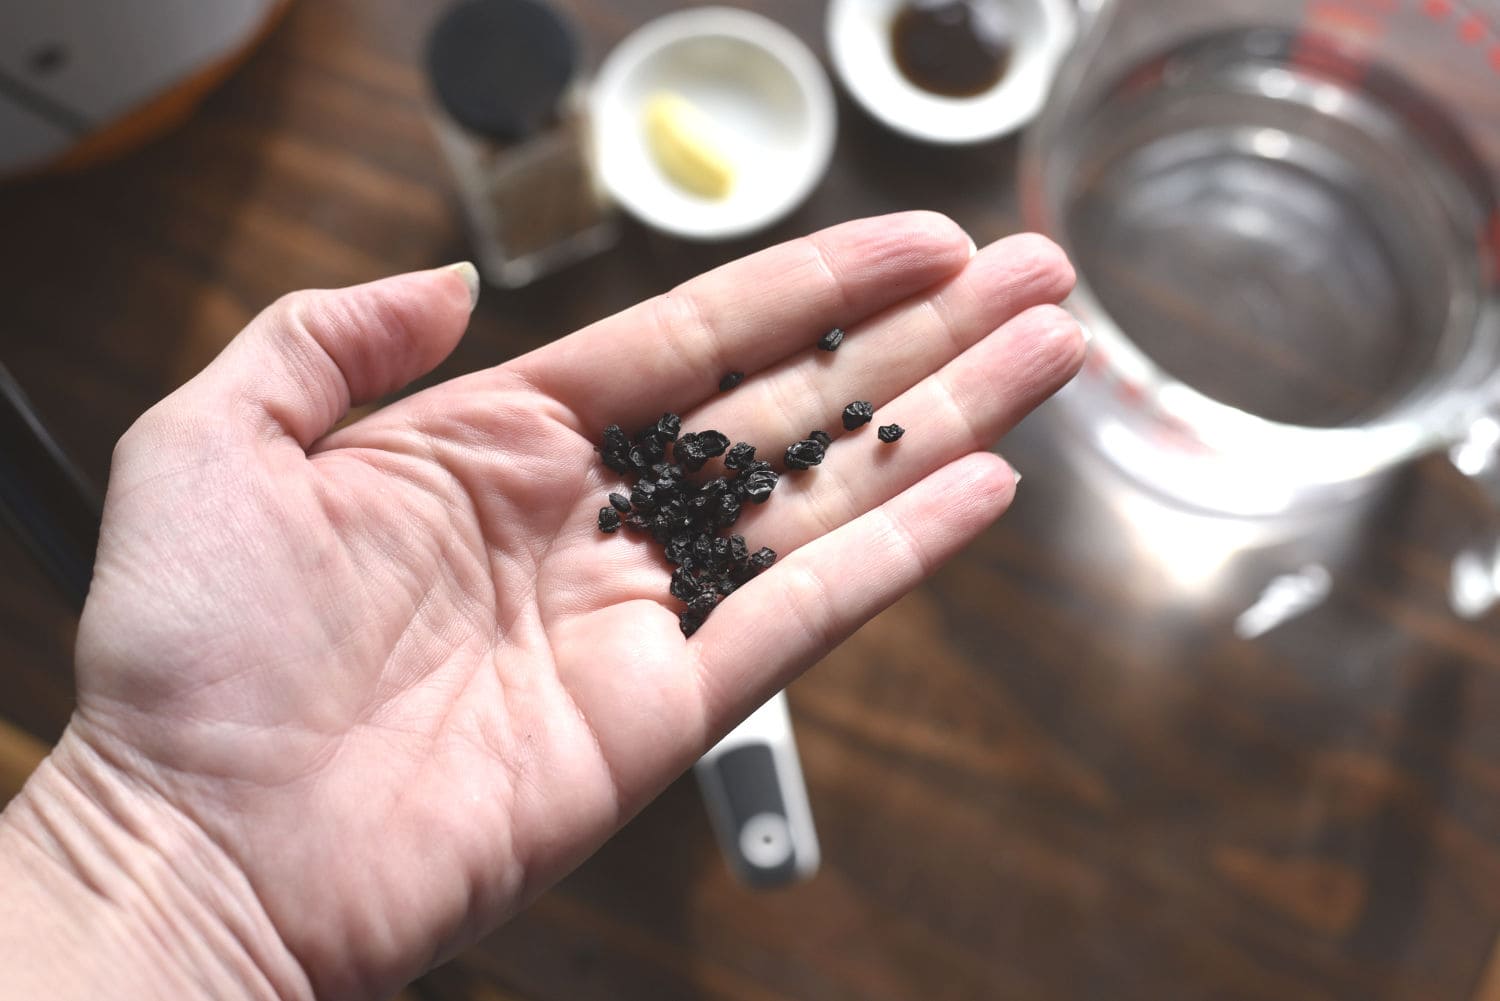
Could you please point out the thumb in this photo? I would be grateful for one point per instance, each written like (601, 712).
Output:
(299, 366)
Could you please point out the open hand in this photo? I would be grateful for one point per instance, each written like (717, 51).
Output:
(393, 680)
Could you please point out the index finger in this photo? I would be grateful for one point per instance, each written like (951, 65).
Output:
(669, 353)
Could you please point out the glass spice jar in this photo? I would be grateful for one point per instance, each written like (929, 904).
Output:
(513, 126)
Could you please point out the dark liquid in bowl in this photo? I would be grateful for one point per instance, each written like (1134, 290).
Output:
(956, 48)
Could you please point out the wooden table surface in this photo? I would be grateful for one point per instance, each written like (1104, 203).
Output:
(1052, 772)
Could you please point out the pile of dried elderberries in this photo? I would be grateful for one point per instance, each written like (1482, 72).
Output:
(687, 515)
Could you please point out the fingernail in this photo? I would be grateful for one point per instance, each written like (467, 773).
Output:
(973, 247)
(1017, 474)
(470, 274)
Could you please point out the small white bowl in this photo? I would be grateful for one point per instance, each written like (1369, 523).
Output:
(859, 40)
(760, 84)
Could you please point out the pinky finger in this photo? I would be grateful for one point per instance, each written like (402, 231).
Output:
(785, 620)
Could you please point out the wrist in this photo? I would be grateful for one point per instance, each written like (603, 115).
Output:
(113, 892)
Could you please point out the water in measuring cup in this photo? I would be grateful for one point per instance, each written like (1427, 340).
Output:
(1284, 231)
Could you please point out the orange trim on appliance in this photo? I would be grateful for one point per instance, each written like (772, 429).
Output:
(163, 112)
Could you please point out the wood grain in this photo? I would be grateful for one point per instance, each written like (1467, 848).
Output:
(20, 753)
(1053, 772)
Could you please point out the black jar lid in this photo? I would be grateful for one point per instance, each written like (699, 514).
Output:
(500, 67)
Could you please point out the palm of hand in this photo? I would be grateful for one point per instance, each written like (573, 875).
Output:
(399, 664)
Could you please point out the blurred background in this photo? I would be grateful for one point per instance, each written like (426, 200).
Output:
(1078, 763)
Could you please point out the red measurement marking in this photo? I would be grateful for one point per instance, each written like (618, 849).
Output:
(1327, 20)
(1146, 78)
(1176, 433)
(1334, 16)
(1437, 9)
(1471, 30)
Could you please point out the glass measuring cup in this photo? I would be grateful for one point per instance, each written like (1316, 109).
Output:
(1283, 216)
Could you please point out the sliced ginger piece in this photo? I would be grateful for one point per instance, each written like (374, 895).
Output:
(683, 139)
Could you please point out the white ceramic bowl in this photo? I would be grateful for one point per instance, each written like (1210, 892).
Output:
(766, 92)
(859, 40)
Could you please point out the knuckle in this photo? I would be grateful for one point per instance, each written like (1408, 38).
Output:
(678, 314)
(940, 224)
(811, 602)
(905, 542)
(174, 427)
(291, 307)
(1045, 260)
(146, 433)
(1059, 337)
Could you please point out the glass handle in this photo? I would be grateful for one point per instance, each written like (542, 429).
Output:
(1474, 579)
(1090, 9)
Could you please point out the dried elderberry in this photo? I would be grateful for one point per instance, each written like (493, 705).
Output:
(740, 456)
(831, 340)
(727, 512)
(678, 550)
(858, 413)
(615, 449)
(890, 432)
(684, 516)
(643, 496)
(689, 622)
(730, 381)
(804, 454)
(667, 427)
(684, 586)
(694, 449)
(821, 437)
(643, 454)
(757, 482)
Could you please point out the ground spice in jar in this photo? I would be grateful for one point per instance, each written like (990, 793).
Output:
(513, 127)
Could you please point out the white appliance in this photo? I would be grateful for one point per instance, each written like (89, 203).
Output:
(82, 78)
